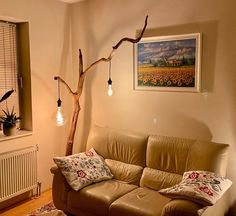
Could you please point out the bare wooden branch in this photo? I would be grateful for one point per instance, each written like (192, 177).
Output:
(81, 69)
(95, 63)
(72, 129)
(64, 82)
(82, 73)
(80, 85)
(136, 40)
(131, 40)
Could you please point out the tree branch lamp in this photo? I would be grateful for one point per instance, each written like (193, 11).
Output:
(82, 73)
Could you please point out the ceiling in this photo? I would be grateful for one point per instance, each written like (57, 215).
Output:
(71, 1)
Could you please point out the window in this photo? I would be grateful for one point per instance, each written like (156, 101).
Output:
(15, 71)
(8, 66)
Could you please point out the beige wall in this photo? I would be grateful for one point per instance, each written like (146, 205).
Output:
(98, 24)
(48, 23)
(95, 26)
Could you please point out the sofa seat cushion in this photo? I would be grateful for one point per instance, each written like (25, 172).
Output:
(139, 202)
(181, 207)
(96, 198)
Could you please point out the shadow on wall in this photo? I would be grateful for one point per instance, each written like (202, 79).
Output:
(116, 25)
(66, 43)
(231, 167)
(209, 31)
(63, 72)
(179, 125)
(230, 89)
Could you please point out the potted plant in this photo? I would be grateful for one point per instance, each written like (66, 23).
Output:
(10, 119)
(9, 122)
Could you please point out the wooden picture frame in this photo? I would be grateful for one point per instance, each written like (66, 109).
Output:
(168, 63)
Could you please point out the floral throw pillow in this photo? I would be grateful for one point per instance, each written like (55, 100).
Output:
(83, 169)
(202, 187)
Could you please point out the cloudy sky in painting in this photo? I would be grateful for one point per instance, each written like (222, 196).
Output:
(168, 50)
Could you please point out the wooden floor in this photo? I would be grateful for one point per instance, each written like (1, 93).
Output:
(27, 206)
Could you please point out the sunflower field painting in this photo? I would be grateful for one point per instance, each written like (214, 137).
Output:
(168, 63)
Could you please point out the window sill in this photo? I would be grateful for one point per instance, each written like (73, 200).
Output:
(20, 133)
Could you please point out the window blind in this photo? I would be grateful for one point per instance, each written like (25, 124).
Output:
(8, 66)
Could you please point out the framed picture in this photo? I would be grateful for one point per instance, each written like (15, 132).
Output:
(168, 63)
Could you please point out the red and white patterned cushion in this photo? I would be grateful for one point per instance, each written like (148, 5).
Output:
(202, 187)
(83, 169)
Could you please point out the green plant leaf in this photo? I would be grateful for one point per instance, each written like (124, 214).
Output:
(6, 112)
(12, 111)
(6, 95)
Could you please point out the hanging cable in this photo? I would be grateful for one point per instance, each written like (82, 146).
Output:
(59, 92)
(109, 91)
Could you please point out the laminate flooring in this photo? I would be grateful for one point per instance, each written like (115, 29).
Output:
(24, 207)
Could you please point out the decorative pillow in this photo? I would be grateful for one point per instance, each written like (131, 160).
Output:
(83, 169)
(202, 187)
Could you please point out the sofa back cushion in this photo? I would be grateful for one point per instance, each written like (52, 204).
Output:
(118, 145)
(128, 173)
(177, 155)
(208, 156)
(173, 156)
(168, 154)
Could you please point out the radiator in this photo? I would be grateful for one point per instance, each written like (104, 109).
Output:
(18, 172)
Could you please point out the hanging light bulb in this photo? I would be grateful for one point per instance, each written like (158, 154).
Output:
(59, 117)
(109, 91)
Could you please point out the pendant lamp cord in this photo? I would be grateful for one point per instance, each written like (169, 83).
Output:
(109, 80)
(58, 88)
(58, 91)
(110, 69)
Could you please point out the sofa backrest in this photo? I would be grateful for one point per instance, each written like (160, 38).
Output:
(118, 145)
(159, 161)
(168, 158)
(124, 152)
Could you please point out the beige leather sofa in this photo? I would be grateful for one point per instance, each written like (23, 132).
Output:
(142, 165)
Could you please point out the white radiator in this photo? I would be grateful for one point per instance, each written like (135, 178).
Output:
(18, 172)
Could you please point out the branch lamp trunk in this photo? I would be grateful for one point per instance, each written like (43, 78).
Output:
(82, 73)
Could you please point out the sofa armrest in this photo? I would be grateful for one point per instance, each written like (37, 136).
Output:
(60, 189)
(180, 207)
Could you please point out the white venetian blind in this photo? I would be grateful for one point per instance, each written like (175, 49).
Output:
(8, 66)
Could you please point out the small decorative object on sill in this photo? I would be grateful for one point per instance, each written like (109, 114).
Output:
(10, 131)
(9, 122)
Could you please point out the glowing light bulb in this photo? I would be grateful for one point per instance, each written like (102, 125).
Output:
(60, 118)
(59, 115)
(109, 91)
